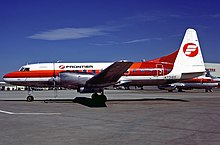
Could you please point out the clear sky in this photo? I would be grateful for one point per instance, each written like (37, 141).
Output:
(34, 31)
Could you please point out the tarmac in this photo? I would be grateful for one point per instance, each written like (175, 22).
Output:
(140, 117)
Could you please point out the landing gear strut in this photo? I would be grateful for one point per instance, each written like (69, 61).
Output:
(208, 90)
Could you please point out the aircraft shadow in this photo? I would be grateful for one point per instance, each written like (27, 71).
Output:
(94, 104)
(80, 100)
(147, 99)
(89, 102)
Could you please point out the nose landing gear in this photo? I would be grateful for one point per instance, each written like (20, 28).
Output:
(30, 97)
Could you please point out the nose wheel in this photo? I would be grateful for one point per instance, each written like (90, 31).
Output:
(30, 98)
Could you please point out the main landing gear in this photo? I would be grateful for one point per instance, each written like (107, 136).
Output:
(96, 98)
(209, 90)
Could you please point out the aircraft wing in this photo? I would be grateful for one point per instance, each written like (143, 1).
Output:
(109, 76)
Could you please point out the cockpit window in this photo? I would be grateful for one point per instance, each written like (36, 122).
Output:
(24, 69)
(27, 69)
(21, 69)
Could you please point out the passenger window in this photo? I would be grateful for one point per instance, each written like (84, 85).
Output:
(168, 70)
(127, 72)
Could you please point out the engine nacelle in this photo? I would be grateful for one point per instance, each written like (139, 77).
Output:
(73, 80)
(168, 87)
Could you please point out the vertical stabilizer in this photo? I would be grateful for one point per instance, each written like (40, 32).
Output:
(189, 61)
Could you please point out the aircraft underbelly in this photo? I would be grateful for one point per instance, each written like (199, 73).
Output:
(31, 82)
(147, 82)
(199, 85)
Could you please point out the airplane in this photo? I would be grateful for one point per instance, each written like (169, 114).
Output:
(201, 82)
(206, 81)
(216, 79)
(185, 63)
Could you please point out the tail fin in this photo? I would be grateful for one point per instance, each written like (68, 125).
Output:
(189, 61)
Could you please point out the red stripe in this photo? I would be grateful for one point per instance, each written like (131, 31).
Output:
(30, 74)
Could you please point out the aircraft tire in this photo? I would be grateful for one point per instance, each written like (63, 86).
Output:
(99, 98)
(103, 98)
(30, 98)
(94, 96)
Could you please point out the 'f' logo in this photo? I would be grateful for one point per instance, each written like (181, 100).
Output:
(61, 66)
(190, 49)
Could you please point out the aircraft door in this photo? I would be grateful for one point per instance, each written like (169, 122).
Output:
(160, 69)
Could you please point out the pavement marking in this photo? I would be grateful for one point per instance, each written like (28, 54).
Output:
(37, 113)
(12, 113)
(6, 112)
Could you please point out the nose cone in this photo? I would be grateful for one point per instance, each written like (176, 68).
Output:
(9, 77)
(6, 77)
(14, 78)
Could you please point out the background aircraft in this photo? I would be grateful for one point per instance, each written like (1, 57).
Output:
(185, 63)
(206, 82)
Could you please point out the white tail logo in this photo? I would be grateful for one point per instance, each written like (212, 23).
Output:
(190, 49)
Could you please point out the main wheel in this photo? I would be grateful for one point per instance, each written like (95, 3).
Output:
(180, 90)
(103, 98)
(99, 98)
(30, 98)
(94, 96)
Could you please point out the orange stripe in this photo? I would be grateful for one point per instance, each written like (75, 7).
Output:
(135, 65)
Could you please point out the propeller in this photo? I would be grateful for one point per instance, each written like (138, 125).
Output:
(54, 81)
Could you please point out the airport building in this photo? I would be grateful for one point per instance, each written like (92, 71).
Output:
(7, 87)
(214, 69)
